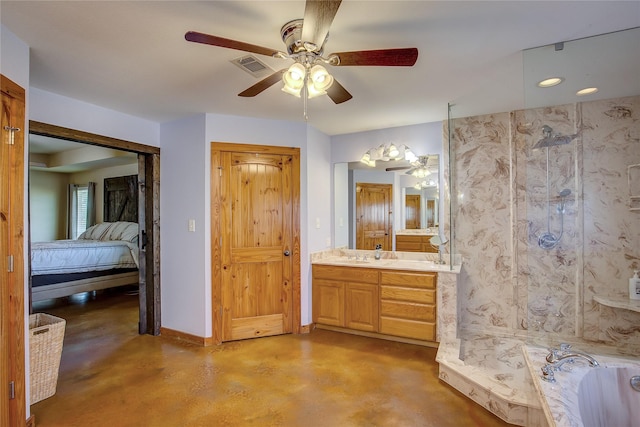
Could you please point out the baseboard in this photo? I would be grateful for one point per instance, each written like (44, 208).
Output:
(183, 336)
(433, 344)
(305, 329)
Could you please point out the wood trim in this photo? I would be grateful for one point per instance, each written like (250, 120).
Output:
(31, 421)
(45, 129)
(252, 148)
(297, 249)
(12, 315)
(433, 344)
(183, 336)
(305, 329)
(216, 211)
(216, 249)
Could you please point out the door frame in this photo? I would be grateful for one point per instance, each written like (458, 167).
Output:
(149, 186)
(216, 233)
(12, 316)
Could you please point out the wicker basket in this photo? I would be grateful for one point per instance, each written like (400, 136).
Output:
(46, 334)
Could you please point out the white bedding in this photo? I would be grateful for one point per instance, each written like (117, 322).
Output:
(104, 246)
(76, 256)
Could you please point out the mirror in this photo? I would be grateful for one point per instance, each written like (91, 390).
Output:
(415, 201)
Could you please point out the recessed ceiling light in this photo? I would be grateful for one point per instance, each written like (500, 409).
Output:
(550, 82)
(587, 91)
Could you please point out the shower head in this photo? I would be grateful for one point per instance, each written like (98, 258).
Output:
(563, 199)
(550, 141)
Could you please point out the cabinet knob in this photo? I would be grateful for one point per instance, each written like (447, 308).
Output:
(287, 253)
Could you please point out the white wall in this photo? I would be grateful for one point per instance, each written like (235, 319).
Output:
(67, 112)
(424, 138)
(48, 205)
(186, 278)
(318, 201)
(341, 205)
(14, 58)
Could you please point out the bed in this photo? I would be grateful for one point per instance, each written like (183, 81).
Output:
(104, 256)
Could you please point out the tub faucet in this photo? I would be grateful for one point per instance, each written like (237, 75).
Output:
(558, 357)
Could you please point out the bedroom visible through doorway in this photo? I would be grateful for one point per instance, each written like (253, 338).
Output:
(116, 217)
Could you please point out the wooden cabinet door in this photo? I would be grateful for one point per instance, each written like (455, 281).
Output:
(361, 306)
(257, 230)
(328, 302)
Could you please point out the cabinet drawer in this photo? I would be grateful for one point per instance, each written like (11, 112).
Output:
(408, 246)
(397, 293)
(414, 280)
(347, 274)
(408, 310)
(408, 328)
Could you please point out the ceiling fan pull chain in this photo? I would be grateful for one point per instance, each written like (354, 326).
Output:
(305, 95)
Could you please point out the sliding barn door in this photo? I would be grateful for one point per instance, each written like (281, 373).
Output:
(257, 244)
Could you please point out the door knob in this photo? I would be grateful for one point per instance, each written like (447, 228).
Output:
(287, 253)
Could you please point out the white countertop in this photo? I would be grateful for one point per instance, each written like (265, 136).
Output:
(410, 261)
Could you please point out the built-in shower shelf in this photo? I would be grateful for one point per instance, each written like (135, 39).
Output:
(623, 303)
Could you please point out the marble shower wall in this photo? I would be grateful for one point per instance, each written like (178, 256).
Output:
(500, 207)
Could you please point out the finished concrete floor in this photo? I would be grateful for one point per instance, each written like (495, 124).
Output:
(111, 376)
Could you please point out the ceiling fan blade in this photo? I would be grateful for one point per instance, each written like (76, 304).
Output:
(194, 36)
(404, 57)
(318, 16)
(263, 84)
(337, 93)
(397, 168)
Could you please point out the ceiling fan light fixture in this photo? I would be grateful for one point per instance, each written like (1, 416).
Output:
(293, 79)
(318, 81)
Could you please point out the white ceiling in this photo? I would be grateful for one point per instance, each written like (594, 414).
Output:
(132, 56)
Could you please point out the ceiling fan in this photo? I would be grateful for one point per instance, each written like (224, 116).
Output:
(304, 39)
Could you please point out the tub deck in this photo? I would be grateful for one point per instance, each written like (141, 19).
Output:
(492, 371)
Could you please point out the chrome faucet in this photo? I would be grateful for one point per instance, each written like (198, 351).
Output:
(559, 357)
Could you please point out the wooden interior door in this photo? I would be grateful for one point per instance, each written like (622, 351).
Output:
(257, 244)
(373, 216)
(412, 211)
(431, 213)
(12, 286)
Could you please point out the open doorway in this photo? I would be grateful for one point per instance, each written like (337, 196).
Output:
(126, 180)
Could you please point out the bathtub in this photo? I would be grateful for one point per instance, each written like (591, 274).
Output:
(586, 396)
(606, 398)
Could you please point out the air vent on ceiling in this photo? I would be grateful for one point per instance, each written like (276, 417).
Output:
(253, 66)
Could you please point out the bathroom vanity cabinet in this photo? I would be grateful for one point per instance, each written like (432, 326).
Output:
(390, 303)
(345, 297)
(414, 243)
